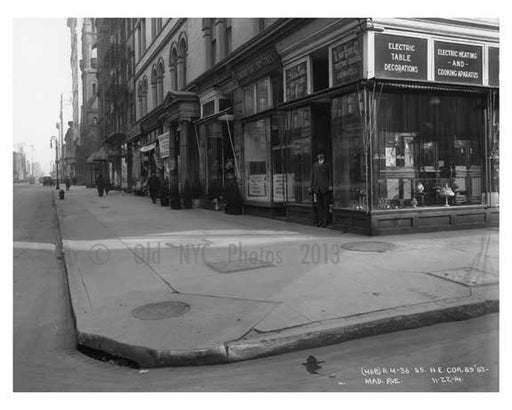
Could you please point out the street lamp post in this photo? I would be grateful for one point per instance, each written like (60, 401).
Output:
(55, 139)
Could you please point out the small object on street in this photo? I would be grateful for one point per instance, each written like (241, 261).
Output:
(143, 371)
(61, 194)
(332, 375)
(312, 365)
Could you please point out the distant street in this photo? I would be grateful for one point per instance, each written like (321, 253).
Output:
(457, 356)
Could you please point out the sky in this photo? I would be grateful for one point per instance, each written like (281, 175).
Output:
(41, 73)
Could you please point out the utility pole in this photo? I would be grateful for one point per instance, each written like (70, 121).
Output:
(61, 137)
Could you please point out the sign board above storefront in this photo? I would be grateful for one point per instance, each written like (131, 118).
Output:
(457, 63)
(401, 57)
(347, 62)
(296, 81)
(163, 143)
(494, 66)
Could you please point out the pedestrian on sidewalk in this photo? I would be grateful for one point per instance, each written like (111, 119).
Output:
(153, 186)
(321, 188)
(107, 186)
(68, 183)
(100, 184)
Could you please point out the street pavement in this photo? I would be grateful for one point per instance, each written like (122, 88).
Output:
(168, 287)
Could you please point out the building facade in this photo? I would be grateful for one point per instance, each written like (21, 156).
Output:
(406, 110)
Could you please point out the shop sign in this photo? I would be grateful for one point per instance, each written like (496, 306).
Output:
(163, 143)
(284, 183)
(401, 57)
(457, 63)
(494, 66)
(347, 62)
(257, 186)
(296, 79)
(262, 64)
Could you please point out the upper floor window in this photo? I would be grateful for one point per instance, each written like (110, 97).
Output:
(160, 72)
(261, 24)
(139, 42)
(153, 87)
(143, 29)
(229, 37)
(213, 46)
(153, 29)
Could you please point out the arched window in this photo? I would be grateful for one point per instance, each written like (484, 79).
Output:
(182, 63)
(160, 73)
(140, 98)
(173, 62)
(153, 87)
(144, 95)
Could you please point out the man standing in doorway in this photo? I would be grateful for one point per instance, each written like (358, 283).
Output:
(153, 186)
(321, 187)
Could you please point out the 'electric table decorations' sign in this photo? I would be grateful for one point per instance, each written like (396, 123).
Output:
(458, 63)
(400, 57)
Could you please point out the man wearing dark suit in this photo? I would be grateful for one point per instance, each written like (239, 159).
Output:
(153, 186)
(321, 186)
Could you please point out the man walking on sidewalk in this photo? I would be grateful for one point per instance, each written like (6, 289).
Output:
(100, 184)
(153, 186)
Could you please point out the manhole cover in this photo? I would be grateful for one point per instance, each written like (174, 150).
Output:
(160, 310)
(369, 246)
(468, 276)
(239, 265)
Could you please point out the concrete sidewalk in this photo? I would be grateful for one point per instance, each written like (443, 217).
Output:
(172, 287)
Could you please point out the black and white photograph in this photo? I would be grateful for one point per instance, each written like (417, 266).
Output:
(304, 203)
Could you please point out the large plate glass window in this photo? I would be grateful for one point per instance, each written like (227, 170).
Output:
(257, 153)
(349, 157)
(428, 150)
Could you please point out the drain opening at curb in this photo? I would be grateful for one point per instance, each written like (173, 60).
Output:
(107, 357)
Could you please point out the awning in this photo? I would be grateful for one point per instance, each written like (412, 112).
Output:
(148, 147)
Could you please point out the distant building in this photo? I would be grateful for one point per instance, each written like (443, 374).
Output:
(82, 134)
(19, 162)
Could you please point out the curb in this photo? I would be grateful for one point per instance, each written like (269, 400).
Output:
(342, 330)
(300, 338)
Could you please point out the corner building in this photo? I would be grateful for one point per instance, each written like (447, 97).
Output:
(406, 110)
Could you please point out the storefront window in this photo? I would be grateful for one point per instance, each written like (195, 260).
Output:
(257, 97)
(349, 159)
(263, 95)
(282, 185)
(297, 152)
(249, 100)
(494, 151)
(257, 186)
(214, 159)
(428, 151)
